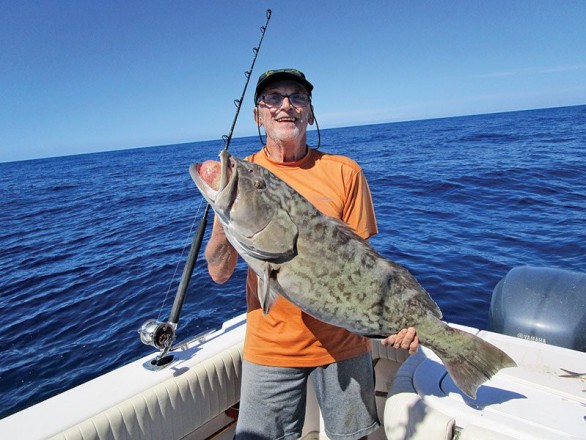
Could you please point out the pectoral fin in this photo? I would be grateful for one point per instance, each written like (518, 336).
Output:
(265, 296)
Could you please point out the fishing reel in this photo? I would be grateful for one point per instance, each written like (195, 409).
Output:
(161, 336)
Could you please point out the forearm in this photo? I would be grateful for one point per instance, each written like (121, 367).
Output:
(220, 255)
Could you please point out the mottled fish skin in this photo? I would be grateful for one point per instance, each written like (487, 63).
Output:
(321, 265)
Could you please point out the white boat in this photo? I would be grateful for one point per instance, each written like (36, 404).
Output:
(196, 395)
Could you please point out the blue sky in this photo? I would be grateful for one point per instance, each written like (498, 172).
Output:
(79, 76)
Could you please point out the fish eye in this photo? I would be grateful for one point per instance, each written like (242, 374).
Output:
(260, 184)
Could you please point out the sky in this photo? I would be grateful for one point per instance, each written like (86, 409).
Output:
(80, 76)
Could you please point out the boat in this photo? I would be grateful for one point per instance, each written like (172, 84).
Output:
(195, 393)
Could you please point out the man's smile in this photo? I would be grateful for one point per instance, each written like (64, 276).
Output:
(286, 119)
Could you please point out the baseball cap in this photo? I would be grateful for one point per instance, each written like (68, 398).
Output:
(271, 76)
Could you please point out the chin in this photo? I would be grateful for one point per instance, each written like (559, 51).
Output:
(289, 134)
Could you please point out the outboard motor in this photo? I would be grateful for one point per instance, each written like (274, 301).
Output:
(541, 304)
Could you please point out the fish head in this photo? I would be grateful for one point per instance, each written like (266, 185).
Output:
(248, 200)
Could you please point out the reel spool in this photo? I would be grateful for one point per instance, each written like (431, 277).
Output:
(161, 336)
(158, 334)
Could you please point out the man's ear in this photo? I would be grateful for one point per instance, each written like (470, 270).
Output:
(311, 119)
(257, 118)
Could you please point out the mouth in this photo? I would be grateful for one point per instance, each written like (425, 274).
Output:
(289, 119)
(211, 177)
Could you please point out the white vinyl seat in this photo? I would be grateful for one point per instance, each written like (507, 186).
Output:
(181, 404)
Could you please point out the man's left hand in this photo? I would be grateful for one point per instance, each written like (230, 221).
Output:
(406, 339)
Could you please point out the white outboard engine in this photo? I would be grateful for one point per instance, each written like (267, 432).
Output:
(541, 304)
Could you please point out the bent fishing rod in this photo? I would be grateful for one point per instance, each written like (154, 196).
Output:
(161, 335)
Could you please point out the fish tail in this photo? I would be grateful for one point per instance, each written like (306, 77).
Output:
(471, 360)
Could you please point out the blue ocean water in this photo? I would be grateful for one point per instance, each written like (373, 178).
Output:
(94, 245)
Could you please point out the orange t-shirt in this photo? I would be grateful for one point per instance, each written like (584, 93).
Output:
(287, 336)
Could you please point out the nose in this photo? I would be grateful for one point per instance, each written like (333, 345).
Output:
(288, 105)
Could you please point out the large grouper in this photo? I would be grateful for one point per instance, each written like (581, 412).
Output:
(321, 265)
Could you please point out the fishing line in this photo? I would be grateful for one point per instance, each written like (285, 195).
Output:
(189, 234)
(162, 334)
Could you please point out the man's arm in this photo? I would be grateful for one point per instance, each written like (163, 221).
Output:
(220, 255)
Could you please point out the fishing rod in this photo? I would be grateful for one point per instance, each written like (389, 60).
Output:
(161, 335)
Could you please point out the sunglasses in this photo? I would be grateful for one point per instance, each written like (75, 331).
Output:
(276, 99)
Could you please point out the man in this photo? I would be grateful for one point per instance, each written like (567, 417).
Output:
(285, 348)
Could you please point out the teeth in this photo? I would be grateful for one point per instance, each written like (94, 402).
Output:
(286, 119)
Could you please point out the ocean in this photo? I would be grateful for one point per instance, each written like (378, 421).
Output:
(94, 245)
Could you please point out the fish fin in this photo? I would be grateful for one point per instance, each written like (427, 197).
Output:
(403, 277)
(266, 296)
(429, 303)
(277, 242)
(469, 359)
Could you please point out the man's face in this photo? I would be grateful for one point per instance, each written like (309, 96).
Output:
(285, 122)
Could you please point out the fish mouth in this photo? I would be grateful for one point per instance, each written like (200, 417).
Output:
(212, 177)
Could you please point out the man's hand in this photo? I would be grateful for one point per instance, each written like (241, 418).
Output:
(406, 339)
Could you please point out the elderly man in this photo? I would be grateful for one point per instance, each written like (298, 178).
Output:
(287, 347)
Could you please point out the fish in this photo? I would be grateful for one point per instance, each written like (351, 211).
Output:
(285, 240)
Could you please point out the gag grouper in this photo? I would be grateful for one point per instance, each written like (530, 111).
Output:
(286, 241)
